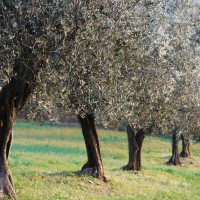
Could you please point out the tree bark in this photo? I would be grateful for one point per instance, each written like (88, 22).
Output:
(139, 138)
(93, 166)
(134, 148)
(174, 160)
(185, 153)
(7, 115)
(13, 97)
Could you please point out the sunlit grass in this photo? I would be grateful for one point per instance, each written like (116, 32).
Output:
(44, 161)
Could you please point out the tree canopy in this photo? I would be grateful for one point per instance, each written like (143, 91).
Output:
(121, 60)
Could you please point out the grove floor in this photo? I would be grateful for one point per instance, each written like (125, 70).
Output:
(44, 161)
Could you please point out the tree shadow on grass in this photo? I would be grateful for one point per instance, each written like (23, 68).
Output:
(184, 161)
(166, 160)
(65, 174)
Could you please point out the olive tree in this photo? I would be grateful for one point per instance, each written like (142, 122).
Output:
(103, 47)
(35, 37)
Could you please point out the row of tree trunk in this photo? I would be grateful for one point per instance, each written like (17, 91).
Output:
(13, 97)
(185, 153)
(94, 166)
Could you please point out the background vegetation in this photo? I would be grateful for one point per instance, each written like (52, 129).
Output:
(44, 161)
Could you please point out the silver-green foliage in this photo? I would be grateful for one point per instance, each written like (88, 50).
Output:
(127, 61)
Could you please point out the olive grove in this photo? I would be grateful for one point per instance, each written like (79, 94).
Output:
(133, 62)
(137, 65)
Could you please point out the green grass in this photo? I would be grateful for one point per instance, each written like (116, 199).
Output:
(44, 161)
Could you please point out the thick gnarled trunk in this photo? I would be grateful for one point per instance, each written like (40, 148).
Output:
(13, 96)
(134, 146)
(174, 160)
(7, 117)
(185, 153)
(93, 166)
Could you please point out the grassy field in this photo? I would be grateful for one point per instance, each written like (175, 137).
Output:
(44, 161)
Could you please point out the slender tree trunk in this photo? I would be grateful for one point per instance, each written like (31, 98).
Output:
(174, 160)
(14, 95)
(93, 166)
(185, 153)
(198, 140)
(134, 148)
